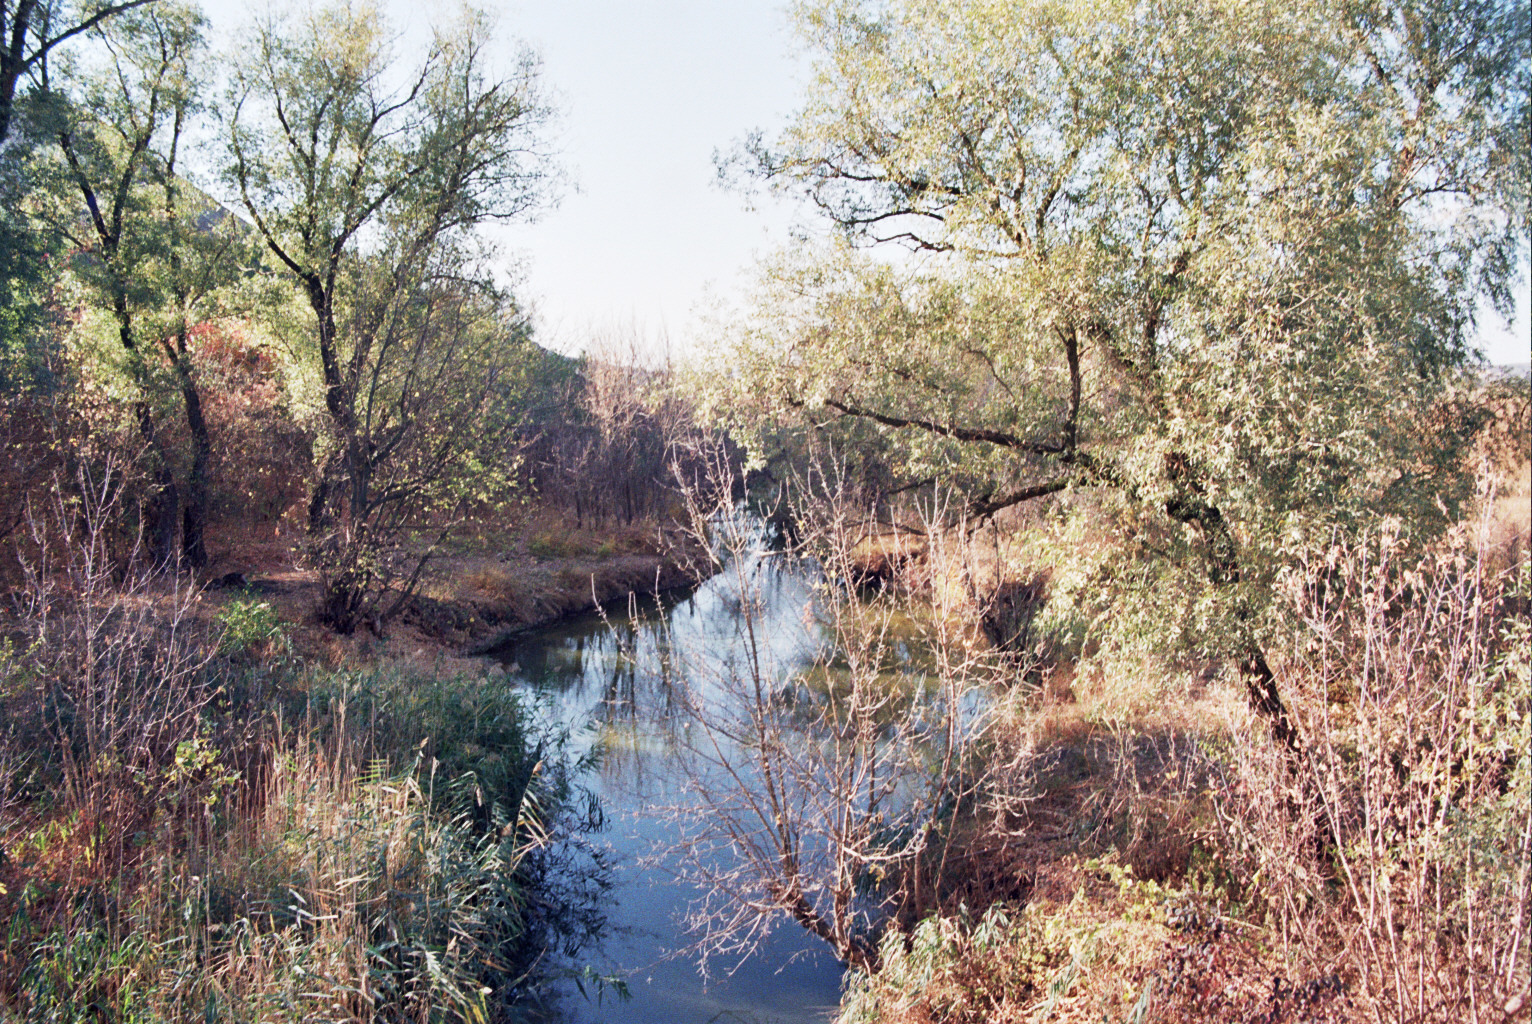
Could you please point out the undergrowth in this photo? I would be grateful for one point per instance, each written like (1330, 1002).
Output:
(194, 825)
(1180, 864)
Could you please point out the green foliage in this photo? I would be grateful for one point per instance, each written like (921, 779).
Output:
(30, 328)
(82, 974)
(1206, 271)
(251, 626)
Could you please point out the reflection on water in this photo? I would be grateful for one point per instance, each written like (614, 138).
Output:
(618, 675)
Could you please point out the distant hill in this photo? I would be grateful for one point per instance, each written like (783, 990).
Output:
(1508, 371)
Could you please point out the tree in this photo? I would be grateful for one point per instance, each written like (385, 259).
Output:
(435, 420)
(1213, 264)
(148, 244)
(30, 30)
(367, 186)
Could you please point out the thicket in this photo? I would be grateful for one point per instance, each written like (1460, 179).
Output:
(198, 826)
(610, 436)
(1151, 852)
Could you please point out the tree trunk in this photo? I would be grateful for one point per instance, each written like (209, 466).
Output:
(1261, 691)
(852, 950)
(194, 513)
(164, 502)
(160, 519)
(1190, 505)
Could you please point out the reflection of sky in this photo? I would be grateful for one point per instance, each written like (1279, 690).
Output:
(621, 674)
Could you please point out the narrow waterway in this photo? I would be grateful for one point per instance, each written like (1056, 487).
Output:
(611, 679)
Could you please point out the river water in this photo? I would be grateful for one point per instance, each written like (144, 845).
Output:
(611, 680)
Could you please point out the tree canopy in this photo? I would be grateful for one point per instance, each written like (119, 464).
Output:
(32, 29)
(1215, 262)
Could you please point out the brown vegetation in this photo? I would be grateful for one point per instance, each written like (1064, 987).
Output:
(1148, 851)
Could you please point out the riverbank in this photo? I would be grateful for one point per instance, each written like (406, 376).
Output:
(209, 806)
(485, 602)
(480, 592)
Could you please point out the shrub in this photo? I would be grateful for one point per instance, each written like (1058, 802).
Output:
(112, 674)
(251, 627)
(1400, 842)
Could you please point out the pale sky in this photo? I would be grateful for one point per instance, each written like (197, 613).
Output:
(649, 92)
(645, 238)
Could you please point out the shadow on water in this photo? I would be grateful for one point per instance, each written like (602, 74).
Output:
(614, 677)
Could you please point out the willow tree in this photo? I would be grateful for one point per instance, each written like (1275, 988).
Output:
(368, 180)
(150, 248)
(32, 29)
(1213, 263)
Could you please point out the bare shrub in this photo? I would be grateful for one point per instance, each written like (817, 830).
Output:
(1399, 848)
(30, 426)
(112, 670)
(605, 441)
(825, 766)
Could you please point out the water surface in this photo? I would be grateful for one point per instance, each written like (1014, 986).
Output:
(617, 675)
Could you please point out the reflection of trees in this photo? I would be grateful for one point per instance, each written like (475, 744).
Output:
(619, 671)
(822, 752)
(619, 698)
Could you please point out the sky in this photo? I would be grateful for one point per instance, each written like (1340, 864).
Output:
(650, 92)
(644, 241)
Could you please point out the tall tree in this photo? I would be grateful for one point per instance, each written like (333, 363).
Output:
(367, 183)
(148, 244)
(30, 30)
(1212, 263)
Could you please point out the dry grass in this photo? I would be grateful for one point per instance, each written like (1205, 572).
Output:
(1093, 943)
(1384, 875)
(552, 536)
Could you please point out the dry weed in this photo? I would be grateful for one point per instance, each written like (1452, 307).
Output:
(1397, 851)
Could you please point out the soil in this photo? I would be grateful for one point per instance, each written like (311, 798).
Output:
(491, 599)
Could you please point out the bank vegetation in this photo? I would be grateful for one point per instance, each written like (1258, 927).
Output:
(1170, 538)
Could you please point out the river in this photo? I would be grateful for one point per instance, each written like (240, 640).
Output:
(609, 679)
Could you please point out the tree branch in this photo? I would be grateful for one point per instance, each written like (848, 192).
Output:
(983, 508)
(84, 26)
(1001, 438)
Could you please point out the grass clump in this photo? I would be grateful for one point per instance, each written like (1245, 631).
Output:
(402, 854)
(562, 541)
